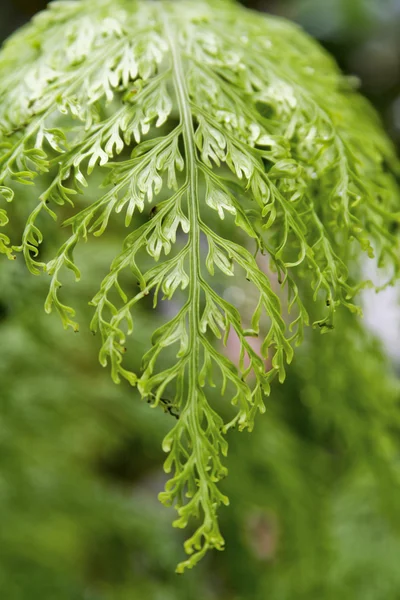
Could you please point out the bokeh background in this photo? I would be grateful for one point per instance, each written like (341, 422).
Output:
(315, 489)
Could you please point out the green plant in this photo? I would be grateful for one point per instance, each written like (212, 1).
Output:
(208, 114)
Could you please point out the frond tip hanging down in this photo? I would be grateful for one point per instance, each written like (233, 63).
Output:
(204, 111)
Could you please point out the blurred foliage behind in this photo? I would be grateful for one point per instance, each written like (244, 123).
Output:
(315, 489)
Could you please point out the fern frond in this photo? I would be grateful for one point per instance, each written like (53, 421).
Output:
(236, 134)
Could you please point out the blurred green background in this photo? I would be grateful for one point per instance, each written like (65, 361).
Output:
(315, 489)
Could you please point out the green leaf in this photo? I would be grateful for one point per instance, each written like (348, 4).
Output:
(212, 141)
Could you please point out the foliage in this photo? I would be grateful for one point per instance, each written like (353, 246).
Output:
(315, 487)
(199, 110)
